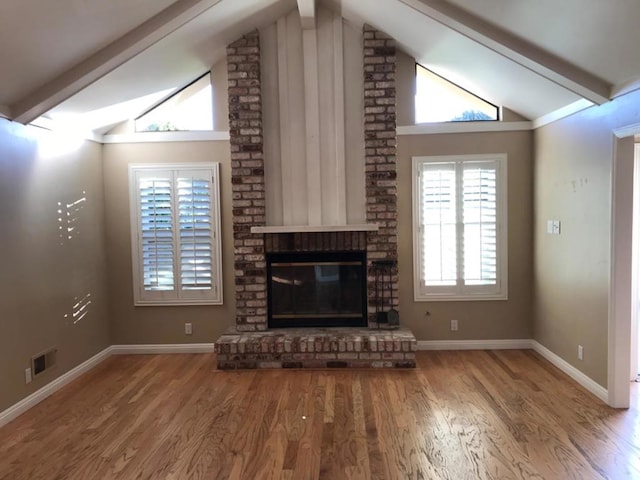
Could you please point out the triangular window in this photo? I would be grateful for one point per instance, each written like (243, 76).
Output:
(439, 100)
(191, 108)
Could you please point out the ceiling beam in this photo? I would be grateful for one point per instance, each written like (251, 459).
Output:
(5, 111)
(107, 59)
(561, 113)
(307, 9)
(534, 58)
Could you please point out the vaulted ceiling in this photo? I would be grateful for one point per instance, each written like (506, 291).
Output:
(535, 57)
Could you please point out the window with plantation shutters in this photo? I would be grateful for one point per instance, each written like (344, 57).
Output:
(459, 212)
(175, 226)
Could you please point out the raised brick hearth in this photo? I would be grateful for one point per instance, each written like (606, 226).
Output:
(250, 344)
(317, 348)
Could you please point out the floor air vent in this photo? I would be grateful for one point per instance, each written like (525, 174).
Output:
(44, 361)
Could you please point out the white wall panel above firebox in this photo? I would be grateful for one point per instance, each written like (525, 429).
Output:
(313, 121)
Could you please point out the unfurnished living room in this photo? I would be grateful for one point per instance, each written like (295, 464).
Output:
(319, 239)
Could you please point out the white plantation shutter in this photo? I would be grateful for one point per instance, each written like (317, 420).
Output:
(438, 224)
(156, 236)
(196, 232)
(460, 227)
(175, 234)
(480, 217)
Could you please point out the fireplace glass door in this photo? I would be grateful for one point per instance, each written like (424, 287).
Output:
(317, 289)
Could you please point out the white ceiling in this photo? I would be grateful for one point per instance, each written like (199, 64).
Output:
(41, 39)
(177, 59)
(45, 42)
(599, 36)
(462, 60)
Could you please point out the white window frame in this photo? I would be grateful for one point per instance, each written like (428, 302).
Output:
(461, 292)
(177, 296)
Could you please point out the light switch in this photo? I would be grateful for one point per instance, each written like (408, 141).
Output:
(553, 227)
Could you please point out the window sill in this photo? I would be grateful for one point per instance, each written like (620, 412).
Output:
(460, 298)
(178, 136)
(464, 127)
(174, 303)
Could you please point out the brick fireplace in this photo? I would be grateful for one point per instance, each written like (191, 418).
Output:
(251, 344)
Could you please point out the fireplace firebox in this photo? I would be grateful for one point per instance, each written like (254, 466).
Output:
(317, 289)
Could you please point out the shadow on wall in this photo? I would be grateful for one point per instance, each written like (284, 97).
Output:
(53, 278)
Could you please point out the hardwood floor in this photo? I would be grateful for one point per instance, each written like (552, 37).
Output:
(460, 415)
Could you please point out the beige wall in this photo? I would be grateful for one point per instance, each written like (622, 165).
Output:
(510, 319)
(573, 176)
(219, 86)
(405, 88)
(161, 324)
(43, 271)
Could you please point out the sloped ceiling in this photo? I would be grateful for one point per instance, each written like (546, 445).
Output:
(601, 37)
(175, 60)
(462, 60)
(76, 56)
(42, 39)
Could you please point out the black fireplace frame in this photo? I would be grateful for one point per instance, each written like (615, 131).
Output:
(319, 320)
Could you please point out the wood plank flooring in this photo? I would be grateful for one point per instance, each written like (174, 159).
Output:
(460, 415)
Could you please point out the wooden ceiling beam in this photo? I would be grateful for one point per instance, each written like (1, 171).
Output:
(307, 9)
(5, 111)
(530, 56)
(107, 59)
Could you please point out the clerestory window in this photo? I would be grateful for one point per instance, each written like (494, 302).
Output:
(439, 100)
(189, 109)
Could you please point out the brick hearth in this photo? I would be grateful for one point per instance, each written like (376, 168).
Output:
(317, 348)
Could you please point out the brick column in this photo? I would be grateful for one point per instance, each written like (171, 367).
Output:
(380, 156)
(247, 179)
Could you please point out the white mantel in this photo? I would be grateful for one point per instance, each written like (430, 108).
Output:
(364, 227)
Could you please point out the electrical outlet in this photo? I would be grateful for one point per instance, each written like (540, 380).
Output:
(27, 375)
(188, 329)
(580, 352)
(454, 325)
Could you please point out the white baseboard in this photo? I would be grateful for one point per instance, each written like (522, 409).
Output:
(595, 388)
(52, 387)
(586, 382)
(55, 385)
(514, 344)
(162, 348)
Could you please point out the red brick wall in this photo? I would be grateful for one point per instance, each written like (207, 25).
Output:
(380, 155)
(247, 163)
(247, 179)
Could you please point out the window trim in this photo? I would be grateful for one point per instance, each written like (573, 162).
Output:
(216, 297)
(420, 294)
